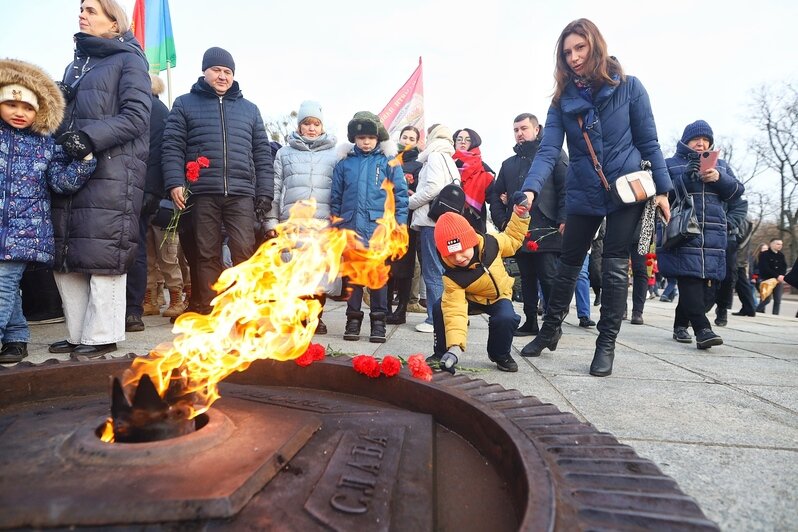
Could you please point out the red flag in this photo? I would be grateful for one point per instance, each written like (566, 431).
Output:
(406, 108)
(138, 23)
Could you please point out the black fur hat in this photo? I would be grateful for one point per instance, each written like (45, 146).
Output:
(366, 123)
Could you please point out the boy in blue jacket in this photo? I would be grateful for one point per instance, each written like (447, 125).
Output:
(358, 199)
(31, 108)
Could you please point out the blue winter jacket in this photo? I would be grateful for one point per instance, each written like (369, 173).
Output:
(29, 163)
(356, 195)
(621, 128)
(97, 228)
(229, 131)
(702, 256)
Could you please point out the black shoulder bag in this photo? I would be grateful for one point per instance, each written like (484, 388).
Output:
(451, 198)
(683, 224)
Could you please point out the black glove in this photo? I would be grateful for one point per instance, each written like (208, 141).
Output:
(66, 90)
(449, 359)
(519, 198)
(263, 204)
(693, 163)
(150, 204)
(76, 144)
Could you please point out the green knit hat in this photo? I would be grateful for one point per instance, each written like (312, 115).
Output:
(366, 123)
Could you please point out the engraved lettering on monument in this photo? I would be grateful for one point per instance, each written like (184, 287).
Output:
(356, 486)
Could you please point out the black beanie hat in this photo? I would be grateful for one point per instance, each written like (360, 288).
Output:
(218, 57)
(476, 140)
(699, 128)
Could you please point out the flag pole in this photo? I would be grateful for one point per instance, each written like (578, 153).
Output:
(169, 81)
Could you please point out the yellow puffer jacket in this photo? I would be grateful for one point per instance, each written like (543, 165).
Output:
(492, 285)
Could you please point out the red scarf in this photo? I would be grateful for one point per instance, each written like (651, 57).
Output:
(473, 176)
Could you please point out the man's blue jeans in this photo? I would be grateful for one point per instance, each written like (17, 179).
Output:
(431, 269)
(13, 326)
(583, 291)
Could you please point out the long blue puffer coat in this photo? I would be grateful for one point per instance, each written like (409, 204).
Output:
(357, 197)
(702, 256)
(29, 164)
(621, 128)
(229, 131)
(97, 228)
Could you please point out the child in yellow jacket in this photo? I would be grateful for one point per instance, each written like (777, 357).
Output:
(474, 282)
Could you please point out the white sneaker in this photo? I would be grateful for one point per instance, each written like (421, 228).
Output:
(425, 327)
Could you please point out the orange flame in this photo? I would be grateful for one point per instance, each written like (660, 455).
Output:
(262, 309)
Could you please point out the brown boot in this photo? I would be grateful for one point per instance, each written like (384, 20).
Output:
(176, 304)
(150, 307)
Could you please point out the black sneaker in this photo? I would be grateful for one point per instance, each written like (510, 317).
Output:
(321, 328)
(13, 352)
(133, 323)
(705, 338)
(681, 335)
(637, 318)
(721, 319)
(434, 361)
(586, 322)
(505, 363)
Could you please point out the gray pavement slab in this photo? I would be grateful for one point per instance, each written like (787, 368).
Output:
(722, 422)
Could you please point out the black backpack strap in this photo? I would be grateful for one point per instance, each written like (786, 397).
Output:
(465, 278)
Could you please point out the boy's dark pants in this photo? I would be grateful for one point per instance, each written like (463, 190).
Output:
(501, 325)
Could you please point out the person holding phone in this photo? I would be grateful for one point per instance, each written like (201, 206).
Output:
(592, 89)
(699, 263)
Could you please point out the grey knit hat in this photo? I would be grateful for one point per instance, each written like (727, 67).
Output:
(218, 57)
(309, 108)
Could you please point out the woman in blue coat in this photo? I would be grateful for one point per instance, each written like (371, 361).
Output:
(592, 94)
(107, 89)
(699, 262)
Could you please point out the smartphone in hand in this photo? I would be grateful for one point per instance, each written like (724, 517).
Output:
(709, 159)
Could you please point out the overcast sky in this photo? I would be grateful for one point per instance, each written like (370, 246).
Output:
(484, 62)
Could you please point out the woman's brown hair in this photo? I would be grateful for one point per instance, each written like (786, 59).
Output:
(600, 67)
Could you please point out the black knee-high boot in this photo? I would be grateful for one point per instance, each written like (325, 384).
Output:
(614, 290)
(561, 295)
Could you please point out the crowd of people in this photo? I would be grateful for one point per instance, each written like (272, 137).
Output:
(110, 197)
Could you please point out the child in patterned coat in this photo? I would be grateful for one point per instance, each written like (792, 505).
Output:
(31, 164)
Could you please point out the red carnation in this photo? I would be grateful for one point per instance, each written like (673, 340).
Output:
(649, 262)
(203, 162)
(367, 365)
(532, 245)
(316, 351)
(192, 171)
(528, 234)
(390, 366)
(419, 368)
(305, 360)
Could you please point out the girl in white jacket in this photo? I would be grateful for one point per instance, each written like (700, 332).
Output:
(439, 170)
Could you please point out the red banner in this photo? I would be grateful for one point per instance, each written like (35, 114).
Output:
(406, 108)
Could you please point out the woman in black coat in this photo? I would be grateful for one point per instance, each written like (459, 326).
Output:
(107, 88)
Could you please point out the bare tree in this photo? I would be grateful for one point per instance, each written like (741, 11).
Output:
(775, 117)
(280, 127)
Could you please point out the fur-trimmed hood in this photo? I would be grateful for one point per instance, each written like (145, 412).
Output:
(387, 147)
(51, 102)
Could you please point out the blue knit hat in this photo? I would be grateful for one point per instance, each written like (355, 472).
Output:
(218, 57)
(699, 128)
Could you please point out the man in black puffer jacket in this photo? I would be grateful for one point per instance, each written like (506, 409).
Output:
(215, 122)
(537, 256)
